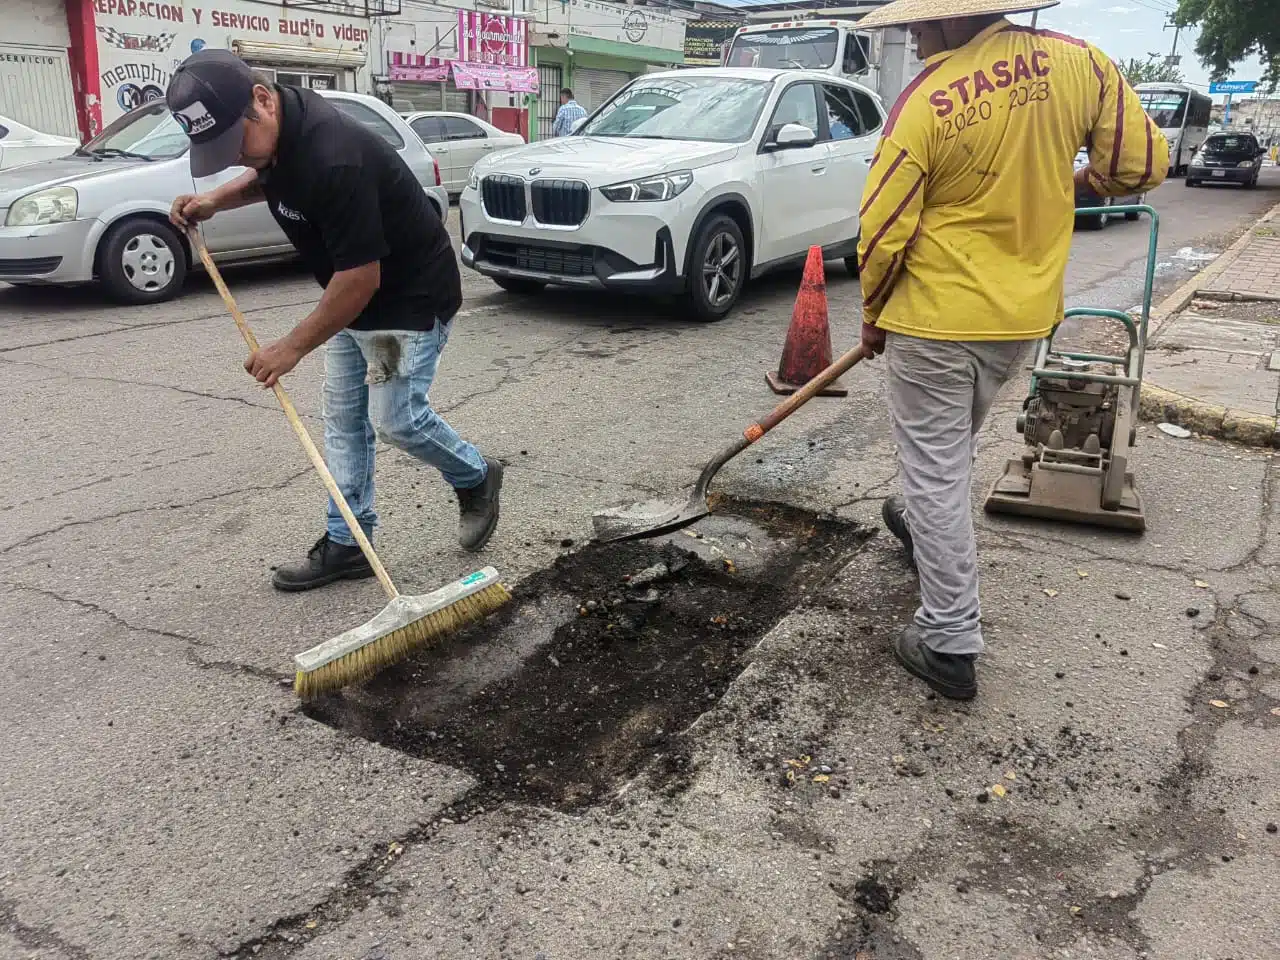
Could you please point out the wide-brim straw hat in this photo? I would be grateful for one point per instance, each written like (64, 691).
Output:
(919, 11)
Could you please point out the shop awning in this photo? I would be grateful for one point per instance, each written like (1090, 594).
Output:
(259, 51)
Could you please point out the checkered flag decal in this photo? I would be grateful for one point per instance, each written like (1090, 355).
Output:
(159, 43)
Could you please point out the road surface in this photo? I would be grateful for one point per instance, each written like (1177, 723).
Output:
(745, 774)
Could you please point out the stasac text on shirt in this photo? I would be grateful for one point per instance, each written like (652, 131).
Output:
(344, 197)
(968, 209)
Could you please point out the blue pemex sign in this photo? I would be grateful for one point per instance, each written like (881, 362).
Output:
(1233, 86)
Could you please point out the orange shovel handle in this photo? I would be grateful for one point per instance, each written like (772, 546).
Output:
(803, 395)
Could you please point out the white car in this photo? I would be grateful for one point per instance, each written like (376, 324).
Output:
(689, 182)
(459, 141)
(102, 212)
(21, 144)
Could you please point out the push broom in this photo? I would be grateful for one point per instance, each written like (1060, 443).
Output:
(406, 623)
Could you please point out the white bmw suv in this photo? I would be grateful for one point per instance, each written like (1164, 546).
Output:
(689, 183)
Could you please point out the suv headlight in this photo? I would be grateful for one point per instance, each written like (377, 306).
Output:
(662, 187)
(1245, 163)
(473, 181)
(55, 205)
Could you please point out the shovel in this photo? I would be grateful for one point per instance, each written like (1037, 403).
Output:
(655, 517)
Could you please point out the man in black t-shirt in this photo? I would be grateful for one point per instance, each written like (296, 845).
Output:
(363, 224)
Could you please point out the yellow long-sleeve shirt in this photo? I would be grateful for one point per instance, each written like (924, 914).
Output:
(969, 203)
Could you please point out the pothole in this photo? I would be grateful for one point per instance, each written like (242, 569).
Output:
(588, 678)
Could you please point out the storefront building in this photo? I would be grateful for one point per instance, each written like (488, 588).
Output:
(461, 61)
(72, 66)
(595, 48)
(141, 41)
(36, 84)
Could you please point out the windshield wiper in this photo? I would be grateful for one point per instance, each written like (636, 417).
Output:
(117, 152)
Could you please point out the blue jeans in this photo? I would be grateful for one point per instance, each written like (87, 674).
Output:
(382, 377)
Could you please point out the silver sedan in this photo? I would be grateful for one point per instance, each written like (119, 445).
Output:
(102, 212)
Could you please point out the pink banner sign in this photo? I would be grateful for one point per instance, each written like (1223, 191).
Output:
(416, 67)
(491, 38)
(485, 76)
(420, 74)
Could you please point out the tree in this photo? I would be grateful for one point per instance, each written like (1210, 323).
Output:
(1154, 69)
(1234, 30)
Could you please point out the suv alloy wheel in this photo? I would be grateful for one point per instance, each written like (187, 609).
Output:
(717, 269)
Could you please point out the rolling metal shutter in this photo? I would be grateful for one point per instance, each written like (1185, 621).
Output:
(408, 96)
(35, 88)
(593, 87)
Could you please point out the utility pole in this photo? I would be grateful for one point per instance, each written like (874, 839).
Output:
(1173, 59)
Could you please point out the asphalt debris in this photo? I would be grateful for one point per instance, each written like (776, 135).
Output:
(653, 637)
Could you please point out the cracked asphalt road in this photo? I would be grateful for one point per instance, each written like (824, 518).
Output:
(164, 797)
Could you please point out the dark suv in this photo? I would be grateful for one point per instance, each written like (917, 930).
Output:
(1227, 158)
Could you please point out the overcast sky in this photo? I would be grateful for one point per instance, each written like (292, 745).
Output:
(1133, 28)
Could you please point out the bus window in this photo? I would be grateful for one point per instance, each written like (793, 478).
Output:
(1166, 109)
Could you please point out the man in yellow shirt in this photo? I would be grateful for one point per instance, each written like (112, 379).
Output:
(966, 229)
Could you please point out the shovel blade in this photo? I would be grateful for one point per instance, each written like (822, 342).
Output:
(649, 519)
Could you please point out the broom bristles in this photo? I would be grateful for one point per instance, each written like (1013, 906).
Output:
(360, 653)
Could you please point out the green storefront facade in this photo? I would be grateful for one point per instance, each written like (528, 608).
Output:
(594, 69)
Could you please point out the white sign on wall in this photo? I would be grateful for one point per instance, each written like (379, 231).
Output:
(141, 41)
(619, 23)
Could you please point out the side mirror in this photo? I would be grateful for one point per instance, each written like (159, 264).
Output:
(577, 124)
(794, 135)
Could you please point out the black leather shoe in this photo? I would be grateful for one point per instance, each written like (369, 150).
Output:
(894, 512)
(479, 506)
(951, 675)
(326, 562)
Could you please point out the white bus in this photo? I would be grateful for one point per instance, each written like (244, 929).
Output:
(1182, 114)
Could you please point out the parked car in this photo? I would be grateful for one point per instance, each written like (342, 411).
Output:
(459, 141)
(1227, 158)
(686, 183)
(21, 144)
(1087, 198)
(102, 212)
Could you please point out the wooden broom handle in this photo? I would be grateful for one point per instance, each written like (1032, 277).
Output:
(299, 428)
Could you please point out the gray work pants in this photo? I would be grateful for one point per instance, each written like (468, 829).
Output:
(939, 394)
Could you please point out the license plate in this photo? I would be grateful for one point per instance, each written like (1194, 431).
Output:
(1219, 173)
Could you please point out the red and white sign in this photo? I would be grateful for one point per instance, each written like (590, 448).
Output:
(493, 39)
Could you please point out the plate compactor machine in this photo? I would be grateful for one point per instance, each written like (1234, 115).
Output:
(1079, 422)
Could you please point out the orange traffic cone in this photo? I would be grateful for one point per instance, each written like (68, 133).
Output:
(808, 349)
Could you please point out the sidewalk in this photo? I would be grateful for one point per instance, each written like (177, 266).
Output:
(1213, 354)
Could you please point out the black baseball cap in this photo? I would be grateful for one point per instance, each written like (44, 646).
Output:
(208, 96)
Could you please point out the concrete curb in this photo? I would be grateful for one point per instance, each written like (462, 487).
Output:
(1210, 419)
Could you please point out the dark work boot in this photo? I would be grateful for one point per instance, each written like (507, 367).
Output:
(894, 512)
(952, 675)
(479, 507)
(326, 562)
